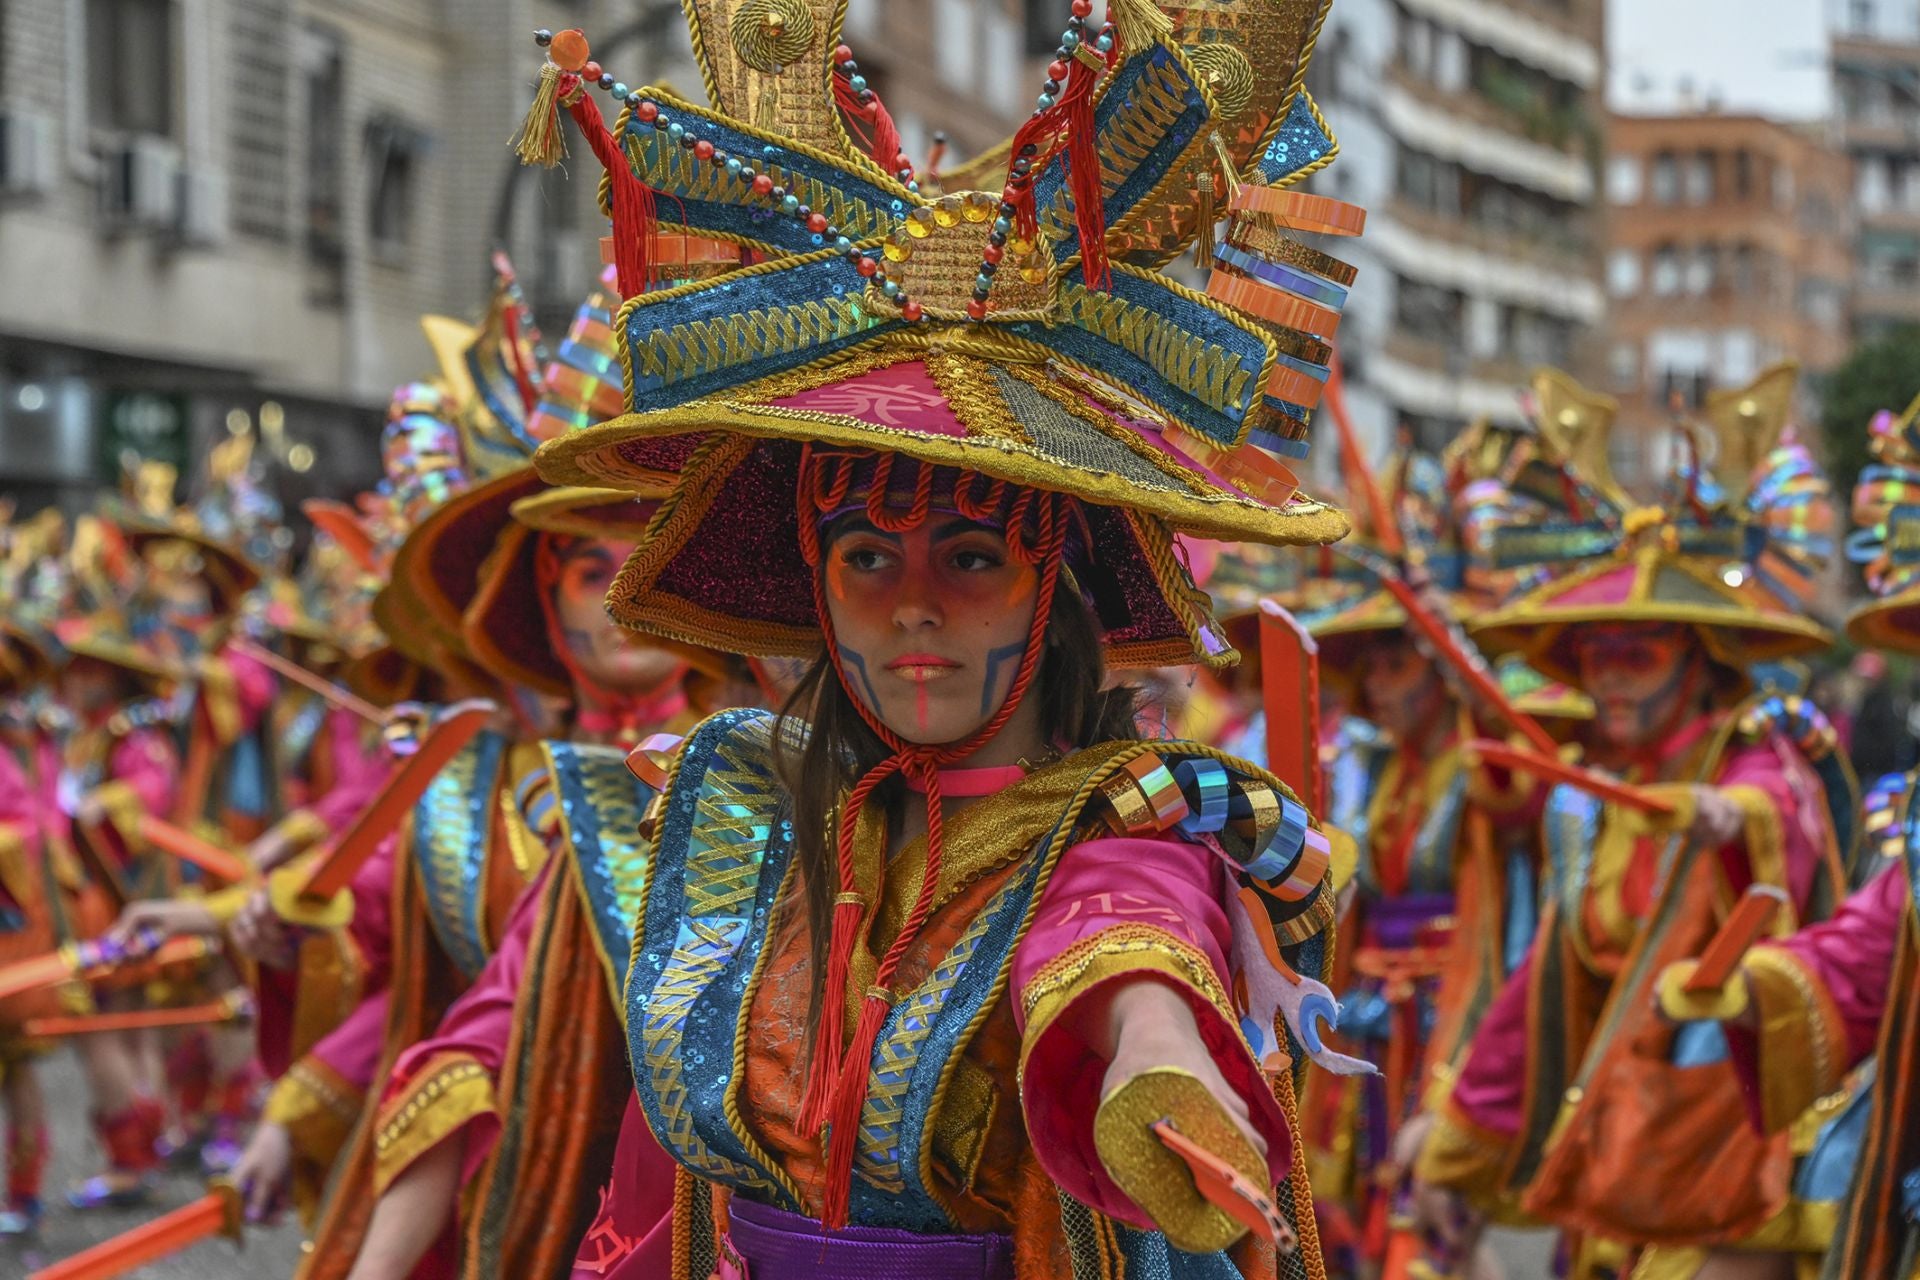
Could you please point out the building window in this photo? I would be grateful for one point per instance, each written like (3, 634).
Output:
(1429, 311)
(1623, 273)
(1739, 357)
(1623, 180)
(1873, 187)
(1535, 338)
(325, 133)
(1743, 174)
(1666, 178)
(1666, 271)
(1743, 269)
(1623, 365)
(1699, 177)
(130, 51)
(1860, 16)
(394, 153)
(1416, 47)
(1702, 266)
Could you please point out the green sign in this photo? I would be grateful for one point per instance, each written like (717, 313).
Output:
(141, 426)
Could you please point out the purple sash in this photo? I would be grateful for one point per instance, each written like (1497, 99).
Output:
(776, 1245)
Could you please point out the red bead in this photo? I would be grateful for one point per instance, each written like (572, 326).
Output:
(911, 310)
(842, 54)
(1081, 8)
(976, 310)
(592, 71)
(993, 253)
(1057, 70)
(1010, 194)
(762, 184)
(817, 223)
(703, 149)
(902, 161)
(866, 266)
(648, 112)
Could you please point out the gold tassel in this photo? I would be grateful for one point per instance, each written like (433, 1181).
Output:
(766, 109)
(541, 140)
(1205, 218)
(1141, 23)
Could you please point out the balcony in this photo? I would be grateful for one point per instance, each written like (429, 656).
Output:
(1559, 39)
(1476, 261)
(1473, 132)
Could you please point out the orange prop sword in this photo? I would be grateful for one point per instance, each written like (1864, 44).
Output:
(215, 1214)
(315, 893)
(1742, 928)
(178, 842)
(1290, 680)
(237, 1006)
(97, 959)
(327, 689)
(1554, 769)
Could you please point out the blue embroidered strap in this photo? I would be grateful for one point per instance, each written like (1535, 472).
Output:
(1571, 827)
(452, 834)
(601, 805)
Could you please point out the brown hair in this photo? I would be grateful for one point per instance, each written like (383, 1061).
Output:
(822, 746)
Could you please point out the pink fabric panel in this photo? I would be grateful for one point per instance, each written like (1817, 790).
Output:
(632, 1236)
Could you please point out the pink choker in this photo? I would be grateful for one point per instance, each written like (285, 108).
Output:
(962, 784)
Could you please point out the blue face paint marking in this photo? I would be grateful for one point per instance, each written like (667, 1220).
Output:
(988, 702)
(850, 660)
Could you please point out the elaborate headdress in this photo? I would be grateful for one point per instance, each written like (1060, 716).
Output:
(28, 656)
(1886, 537)
(1733, 552)
(1013, 354)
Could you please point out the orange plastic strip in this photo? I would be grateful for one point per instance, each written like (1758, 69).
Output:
(1295, 387)
(212, 1214)
(1744, 925)
(337, 864)
(1300, 210)
(178, 843)
(341, 522)
(1258, 475)
(1275, 306)
(192, 1015)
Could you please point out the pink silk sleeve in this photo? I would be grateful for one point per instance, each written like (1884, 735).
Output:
(359, 770)
(1773, 768)
(147, 763)
(352, 1049)
(1490, 1087)
(476, 1029)
(1123, 910)
(253, 687)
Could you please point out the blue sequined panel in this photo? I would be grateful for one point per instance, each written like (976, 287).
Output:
(601, 805)
(1299, 142)
(1571, 826)
(722, 853)
(452, 830)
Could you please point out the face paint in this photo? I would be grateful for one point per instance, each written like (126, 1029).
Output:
(931, 623)
(576, 573)
(1640, 680)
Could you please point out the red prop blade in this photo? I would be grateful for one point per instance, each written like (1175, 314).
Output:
(1554, 769)
(1743, 927)
(1228, 1190)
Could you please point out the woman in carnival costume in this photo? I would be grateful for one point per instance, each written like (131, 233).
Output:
(477, 1103)
(952, 866)
(33, 904)
(1804, 1013)
(1575, 1100)
(539, 559)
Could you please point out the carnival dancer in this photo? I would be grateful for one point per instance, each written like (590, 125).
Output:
(31, 907)
(951, 861)
(118, 762)
(1575, 1099)
(463, 1107)
(1802, 1013)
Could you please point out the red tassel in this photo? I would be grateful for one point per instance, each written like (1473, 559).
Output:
(880, 137)
(1068, 124)
(850, 1097)
(634, 216)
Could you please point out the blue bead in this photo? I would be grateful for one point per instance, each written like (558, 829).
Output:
(1002, 226)
(1070, 40)
(791, 204)
(1044, 101)
(914, 187)
(889, 288)
(676, 131)
(857, 83)
(620, 89)
(842, 245)
(819, 241)
(983, 281)
(733, 166)
(1104, 44)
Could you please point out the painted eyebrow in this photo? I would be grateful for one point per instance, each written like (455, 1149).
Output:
(586, 549)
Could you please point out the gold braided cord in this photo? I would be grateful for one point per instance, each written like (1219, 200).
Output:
(754, 40)
(1303, 1220)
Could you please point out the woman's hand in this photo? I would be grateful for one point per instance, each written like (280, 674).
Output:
(261, 935)
(1147, 1025)
(264, 1170)
(167, 917)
